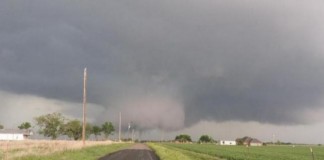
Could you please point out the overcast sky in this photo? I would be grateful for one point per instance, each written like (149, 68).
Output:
(219, 67)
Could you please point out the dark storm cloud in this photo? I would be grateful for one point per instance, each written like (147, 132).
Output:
(247, 60)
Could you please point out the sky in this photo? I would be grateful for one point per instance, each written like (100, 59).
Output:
(224, 68)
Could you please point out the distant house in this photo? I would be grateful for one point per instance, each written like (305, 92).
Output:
(255, 142)
(224, 142)
(248, 141)
(14, 135)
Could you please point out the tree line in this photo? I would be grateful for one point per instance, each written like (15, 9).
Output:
(55, 124)
(184, 138)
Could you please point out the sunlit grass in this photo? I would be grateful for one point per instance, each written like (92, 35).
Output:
(15, 149)
(166, 153)
(89, 153)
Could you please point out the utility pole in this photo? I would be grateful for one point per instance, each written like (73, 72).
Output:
(119, 137)
(84, 104)
(129, 126)
(133, 136)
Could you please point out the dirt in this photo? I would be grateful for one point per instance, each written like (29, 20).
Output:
(135, 152)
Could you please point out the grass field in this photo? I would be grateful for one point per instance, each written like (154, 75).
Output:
(89, 153)
(40, 149)
(196, 151)
(173, 153)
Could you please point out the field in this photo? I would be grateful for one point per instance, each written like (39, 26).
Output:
(39, 149)
(73, 150)
(210, 151)
(173, 153)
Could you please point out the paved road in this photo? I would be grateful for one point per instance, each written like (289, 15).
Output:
(136, 152)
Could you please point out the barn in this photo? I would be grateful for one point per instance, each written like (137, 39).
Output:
(13, 135)
(225, 142)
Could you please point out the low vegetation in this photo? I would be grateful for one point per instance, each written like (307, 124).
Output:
(166, 153)
(89, 153)
(172, 153)
(245, 153)
(43, 149)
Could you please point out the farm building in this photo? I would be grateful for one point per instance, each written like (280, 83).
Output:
(13, 135)
(224, 142)
(248, 141)
(255, 142)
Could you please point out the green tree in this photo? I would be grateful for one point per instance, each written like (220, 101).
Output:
(50, 125)
(183, 138)
(107, 129)
(239, 141)
(96, 130)
(25, 125)
(205, 139)
(89, 130)
(73, 129)
(1, 126)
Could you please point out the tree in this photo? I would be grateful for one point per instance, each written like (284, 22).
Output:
(241, 141)
(89, 130)
(96, 130)
(183, 138)
(25, 125)
(73, 129)
(205, 139)
(107, 128)
(1, 126)
(50, 125)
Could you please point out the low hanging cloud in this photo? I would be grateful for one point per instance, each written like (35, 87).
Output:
(169, 64)
(18, 108)
(153, 112)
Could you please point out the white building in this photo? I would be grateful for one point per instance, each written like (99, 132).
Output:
(13, 135)
(224, 142)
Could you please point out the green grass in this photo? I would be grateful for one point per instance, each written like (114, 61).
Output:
(165, 153)
(250, 153)
(171, 153)
(89, 153)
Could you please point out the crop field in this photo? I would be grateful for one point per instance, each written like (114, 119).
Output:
(11, 150)
(211, 151)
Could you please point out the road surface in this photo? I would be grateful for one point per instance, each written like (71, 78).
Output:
(135, 152)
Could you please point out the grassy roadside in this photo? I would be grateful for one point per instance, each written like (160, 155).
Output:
(172, 153)
(167, 154)
(10, 150)
(88, 153)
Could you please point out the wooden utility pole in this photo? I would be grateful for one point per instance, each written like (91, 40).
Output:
(84, 104)
(119, 127)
